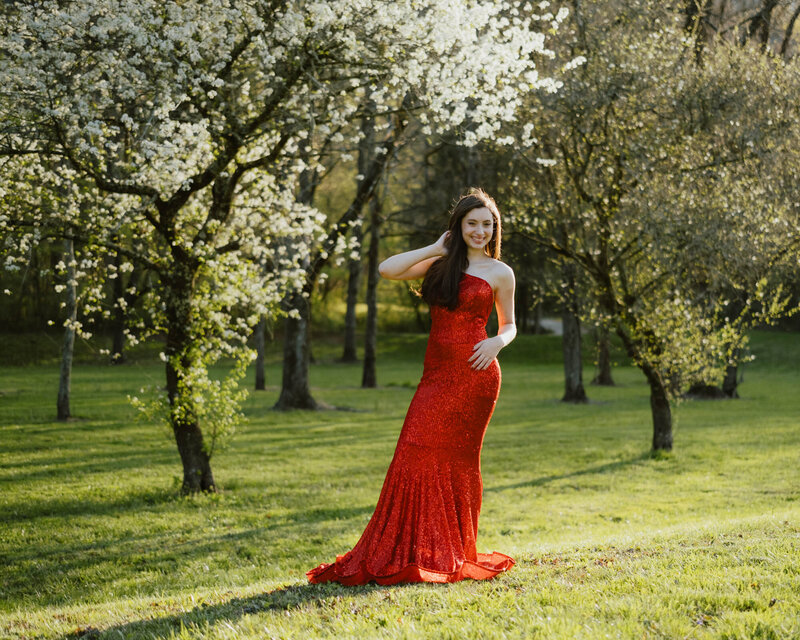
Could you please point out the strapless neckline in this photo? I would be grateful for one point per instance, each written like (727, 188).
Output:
(479, 278)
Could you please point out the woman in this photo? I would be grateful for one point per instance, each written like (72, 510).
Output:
(426, 521)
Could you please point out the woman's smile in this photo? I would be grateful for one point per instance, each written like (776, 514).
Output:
(477, 228)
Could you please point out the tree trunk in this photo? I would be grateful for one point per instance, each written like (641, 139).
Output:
(62, 404)
(571, 342)
(366, 156)
(537, 318)
(354, 279)
(603, 376)
(369, 379)
(659, 398)
(731, 380)
(118, 338)
(695, 12)
(787, 36)
(522, 307)
(197, 475)
(760, 24)
(662, 413)
(137, 285)
(118, 325)
(261, 328)
(295, 392)
(573, 365)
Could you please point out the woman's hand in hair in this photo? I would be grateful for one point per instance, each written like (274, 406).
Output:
(442, 243)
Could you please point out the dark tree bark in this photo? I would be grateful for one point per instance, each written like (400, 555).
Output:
(137, 285)
(62, 405)
(573, 365)
(571, 342)
(659, 397)
(118, 339)
(760, 24)
(260, 330)
(662, 413)
(522, 307)
(787, 37)
(695, 13)
(603, 375)
(350, 353)
(295, 391)
(369, 379)
(118, 322)
(730, 382)
(537, 319)
(366, 156)
(197, 475)
(295, 361)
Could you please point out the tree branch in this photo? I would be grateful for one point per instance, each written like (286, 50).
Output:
(366, 188)
(789, 31)
(71, 234)
(104, 183)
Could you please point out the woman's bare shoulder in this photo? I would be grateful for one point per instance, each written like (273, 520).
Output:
(501, 270)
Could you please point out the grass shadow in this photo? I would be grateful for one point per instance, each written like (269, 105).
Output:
(207, 615)
(49, 568)
(77, 464)
(599, 469)
(25, 512)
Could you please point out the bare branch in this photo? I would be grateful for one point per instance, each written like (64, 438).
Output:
(366, 188)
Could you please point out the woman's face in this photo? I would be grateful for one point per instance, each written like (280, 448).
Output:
(477, 227)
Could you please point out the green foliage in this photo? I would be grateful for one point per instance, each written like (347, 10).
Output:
(667, 183)
(215, 403)
(701, 543)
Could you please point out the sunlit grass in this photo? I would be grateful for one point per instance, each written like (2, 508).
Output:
(703, 542)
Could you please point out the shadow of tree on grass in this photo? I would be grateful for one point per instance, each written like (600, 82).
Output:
(207, 615)
(599, 469)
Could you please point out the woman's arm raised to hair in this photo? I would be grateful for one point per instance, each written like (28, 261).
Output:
(413, 264)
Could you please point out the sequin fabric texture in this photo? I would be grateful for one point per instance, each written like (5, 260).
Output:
(425, 524)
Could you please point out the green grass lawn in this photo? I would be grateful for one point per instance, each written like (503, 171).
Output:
(610, 542)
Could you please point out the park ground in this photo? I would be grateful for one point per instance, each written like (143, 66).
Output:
(610, 542)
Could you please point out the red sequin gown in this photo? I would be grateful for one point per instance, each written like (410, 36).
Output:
(426, 520)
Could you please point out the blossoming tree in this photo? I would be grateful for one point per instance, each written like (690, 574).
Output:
(664, 182)
(173, 134)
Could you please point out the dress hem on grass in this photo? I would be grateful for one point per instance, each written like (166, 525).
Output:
(487, 566)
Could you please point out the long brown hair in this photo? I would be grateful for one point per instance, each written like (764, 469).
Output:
(440, 286)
